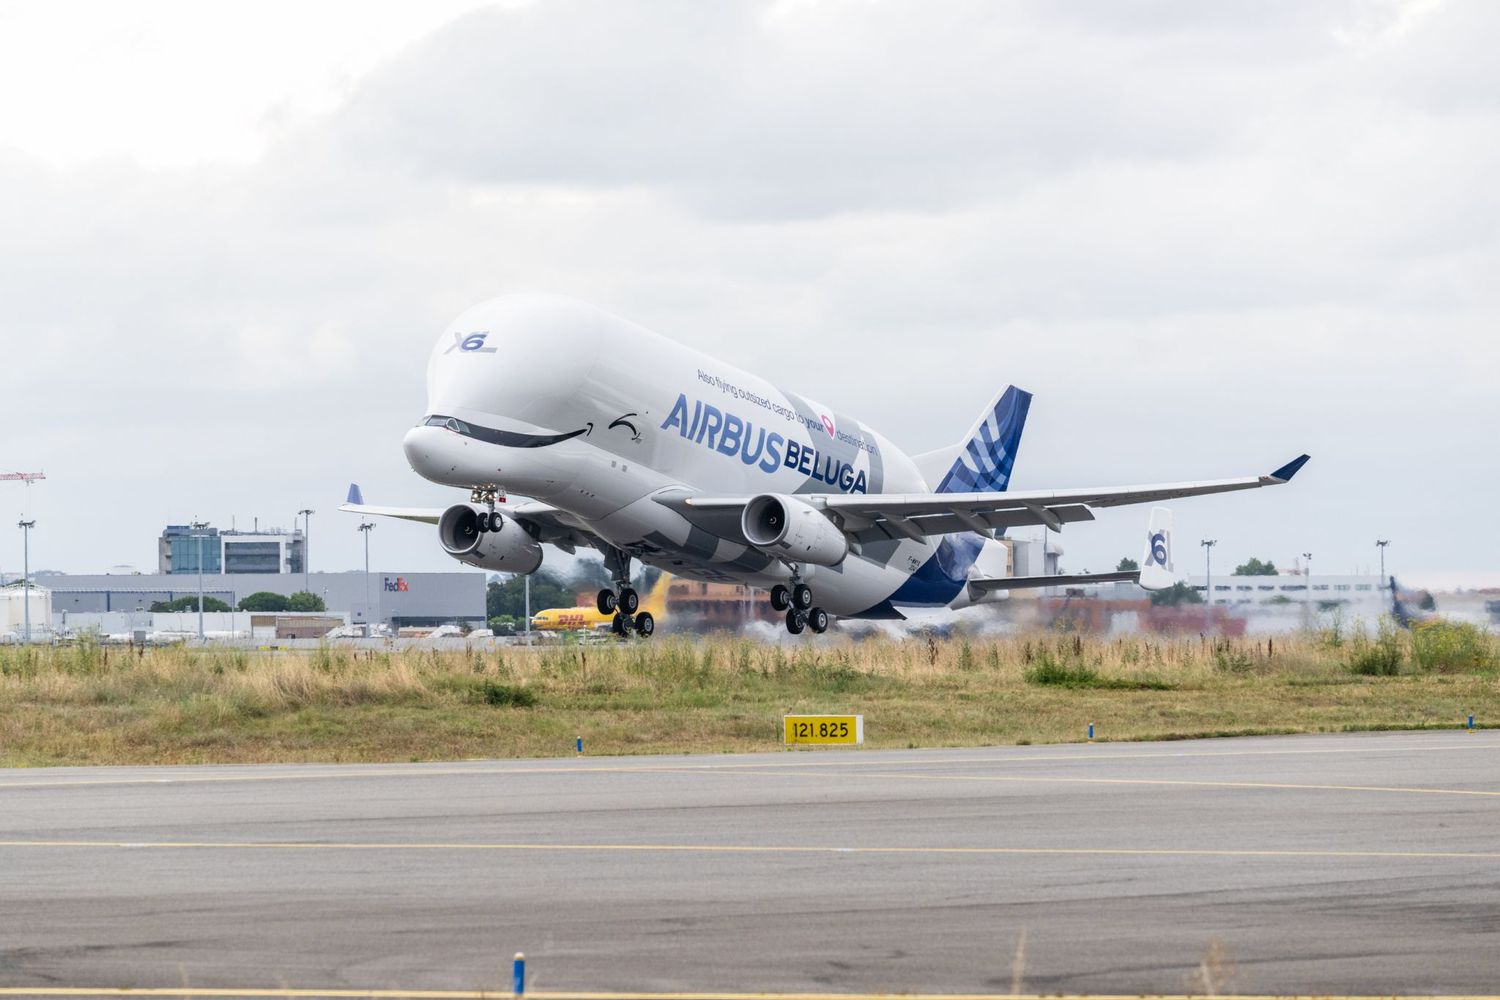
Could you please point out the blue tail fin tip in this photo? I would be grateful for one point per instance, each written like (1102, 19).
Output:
(1287, 471)
(355, 496)
(985, 460)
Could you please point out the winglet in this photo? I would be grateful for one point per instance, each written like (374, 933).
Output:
(1287, 471)
(355, 496)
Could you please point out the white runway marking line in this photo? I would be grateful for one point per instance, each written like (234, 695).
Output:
(419, 846)
(542, 767)
(1038, 779)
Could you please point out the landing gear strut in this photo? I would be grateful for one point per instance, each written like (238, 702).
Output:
(623, 602)
(489, 519)
(797, 602)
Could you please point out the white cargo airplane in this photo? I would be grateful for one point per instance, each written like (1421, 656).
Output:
(645, 449)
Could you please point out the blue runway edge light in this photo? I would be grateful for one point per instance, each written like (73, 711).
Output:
(519, 974)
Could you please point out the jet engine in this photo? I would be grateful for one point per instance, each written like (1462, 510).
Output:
(471, 534)
(793, 529)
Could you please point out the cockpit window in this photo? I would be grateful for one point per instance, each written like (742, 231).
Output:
(509, 439)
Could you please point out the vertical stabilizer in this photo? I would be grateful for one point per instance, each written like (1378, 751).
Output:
(983, 461)
(1156, 565)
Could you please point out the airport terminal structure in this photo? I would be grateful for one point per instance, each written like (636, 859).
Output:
(397, 600)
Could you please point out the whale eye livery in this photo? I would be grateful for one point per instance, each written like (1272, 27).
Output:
(741, 480)
(635, 435)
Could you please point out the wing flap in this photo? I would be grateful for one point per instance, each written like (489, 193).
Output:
(427, 515)
(879, 528)
(891, 515)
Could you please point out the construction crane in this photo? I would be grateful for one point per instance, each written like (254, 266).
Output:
(26, 477)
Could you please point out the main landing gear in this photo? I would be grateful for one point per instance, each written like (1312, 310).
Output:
(797, 602)
(623, 602)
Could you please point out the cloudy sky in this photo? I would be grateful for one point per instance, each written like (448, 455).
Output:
(1208, 236)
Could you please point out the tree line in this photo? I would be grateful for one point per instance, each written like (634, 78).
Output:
(263, 601)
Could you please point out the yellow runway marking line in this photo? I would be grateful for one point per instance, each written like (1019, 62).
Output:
(1037, 779)
(416, 846)
(547, 766)
(389, 994)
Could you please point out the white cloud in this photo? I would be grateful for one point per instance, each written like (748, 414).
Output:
(170, 83)
(1208, 236)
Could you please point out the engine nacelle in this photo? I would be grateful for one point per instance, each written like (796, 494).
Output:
(793, 529)
(467, 535)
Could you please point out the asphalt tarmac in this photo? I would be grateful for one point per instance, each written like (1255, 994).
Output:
(1351, 864)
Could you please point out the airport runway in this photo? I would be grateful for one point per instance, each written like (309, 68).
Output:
(1356, 864)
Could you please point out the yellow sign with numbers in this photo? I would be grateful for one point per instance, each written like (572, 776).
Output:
(821, 730)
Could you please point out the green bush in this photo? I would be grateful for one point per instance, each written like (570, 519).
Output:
(1052, 673)
(265, 602)
(190, 604)
(1381, 658)
(1230, 658)
(1177, 594)
(1451, 646)
(304, 600)
(513, 695)
(505, 625)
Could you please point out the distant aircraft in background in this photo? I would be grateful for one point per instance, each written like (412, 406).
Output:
(645, 449)
(588, 618)
(1411, 607)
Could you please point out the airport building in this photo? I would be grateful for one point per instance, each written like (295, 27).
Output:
(20, 603)
(1285, 587)
(396, 599)
(180, 549)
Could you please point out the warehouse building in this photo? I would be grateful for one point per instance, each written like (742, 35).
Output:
(396, 599)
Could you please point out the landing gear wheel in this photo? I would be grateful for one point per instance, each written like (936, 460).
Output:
(618, 625)
(645, 624)
(817, 620)
(795, 621)
(606, 603)
(630, 601)
(781, 598)
(802, 597)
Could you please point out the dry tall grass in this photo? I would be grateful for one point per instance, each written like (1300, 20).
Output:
(88, 704)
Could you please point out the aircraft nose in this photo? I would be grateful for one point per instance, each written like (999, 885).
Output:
(417, 446)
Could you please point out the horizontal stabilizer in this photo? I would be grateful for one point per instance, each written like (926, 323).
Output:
(978, 588)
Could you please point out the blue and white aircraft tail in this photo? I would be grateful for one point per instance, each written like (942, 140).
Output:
(982, 461)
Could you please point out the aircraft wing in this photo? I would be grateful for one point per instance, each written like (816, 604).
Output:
(874, 517)
(427, 515)
(543, 522)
